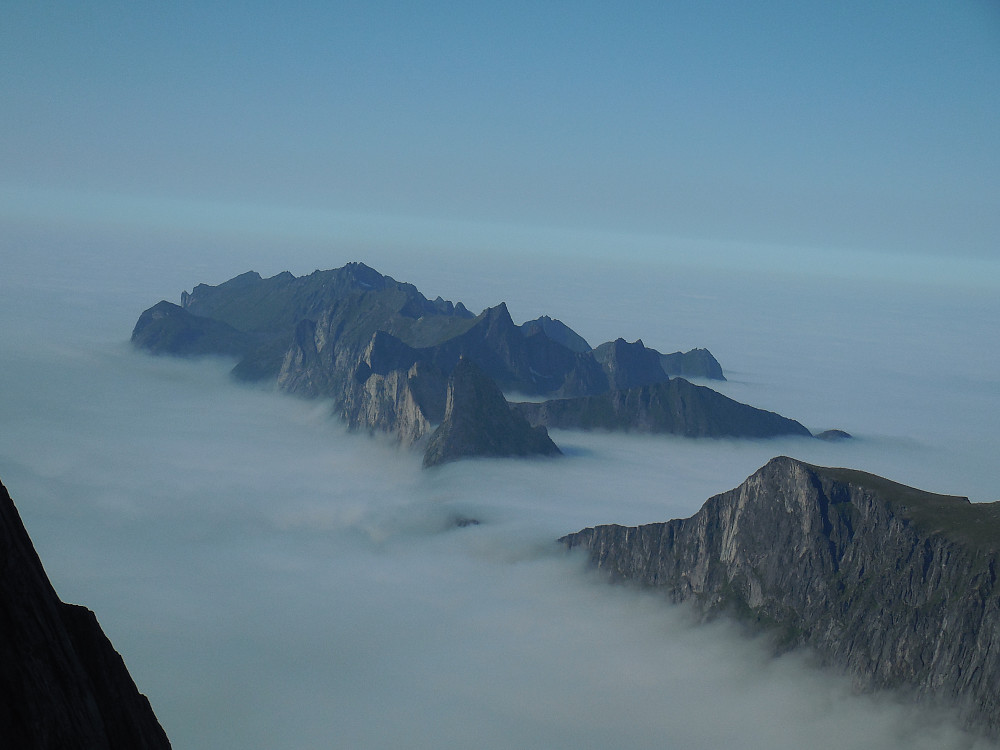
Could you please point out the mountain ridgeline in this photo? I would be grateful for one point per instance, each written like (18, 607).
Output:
(384, 354)
(895, 585)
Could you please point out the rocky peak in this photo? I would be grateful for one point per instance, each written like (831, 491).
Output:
(363, 276)
(629, 365)
(557, 331)
(895, 585)
(479, 422)
(696, 363)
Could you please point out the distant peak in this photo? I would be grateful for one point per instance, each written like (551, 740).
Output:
(499, 313)
(358, 265)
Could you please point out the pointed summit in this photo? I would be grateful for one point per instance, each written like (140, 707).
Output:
(479, 422)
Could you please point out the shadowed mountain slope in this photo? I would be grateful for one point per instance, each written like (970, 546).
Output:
(62, 684)
(479, 422)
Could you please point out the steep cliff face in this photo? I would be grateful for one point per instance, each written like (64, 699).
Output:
(896, 585)
(479, 422)
(62, 684)
(406, 403)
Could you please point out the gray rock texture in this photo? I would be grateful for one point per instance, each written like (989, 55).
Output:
(895, 585)
(479, 422)
(62, 684)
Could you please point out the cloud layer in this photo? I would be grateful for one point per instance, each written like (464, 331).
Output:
(274, 582)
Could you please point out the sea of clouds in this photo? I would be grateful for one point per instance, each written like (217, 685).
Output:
(274, 581)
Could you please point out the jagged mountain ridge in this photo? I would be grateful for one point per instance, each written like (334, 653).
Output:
(383, 352)
(62, 684)
(895, 585)
(349, 304)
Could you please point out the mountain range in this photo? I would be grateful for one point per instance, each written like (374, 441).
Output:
(385, 355)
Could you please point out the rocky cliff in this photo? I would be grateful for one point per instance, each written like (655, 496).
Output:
(675, 407)
(479, 422)
(62, 684)
(895, 585)
(392, 390)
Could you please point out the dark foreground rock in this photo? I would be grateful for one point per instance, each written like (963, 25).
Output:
(895, 585)
(676, 407)
(62, 684)
(479, 422)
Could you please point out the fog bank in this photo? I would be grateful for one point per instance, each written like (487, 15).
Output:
(275, 582)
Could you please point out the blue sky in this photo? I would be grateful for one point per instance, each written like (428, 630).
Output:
(841, 126)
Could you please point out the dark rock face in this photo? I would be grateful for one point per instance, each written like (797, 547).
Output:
(62, 684)
(895, 585)
(479, 422)
(674, 407)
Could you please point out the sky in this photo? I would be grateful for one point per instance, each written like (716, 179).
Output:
(809, 192)
(803, 128)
